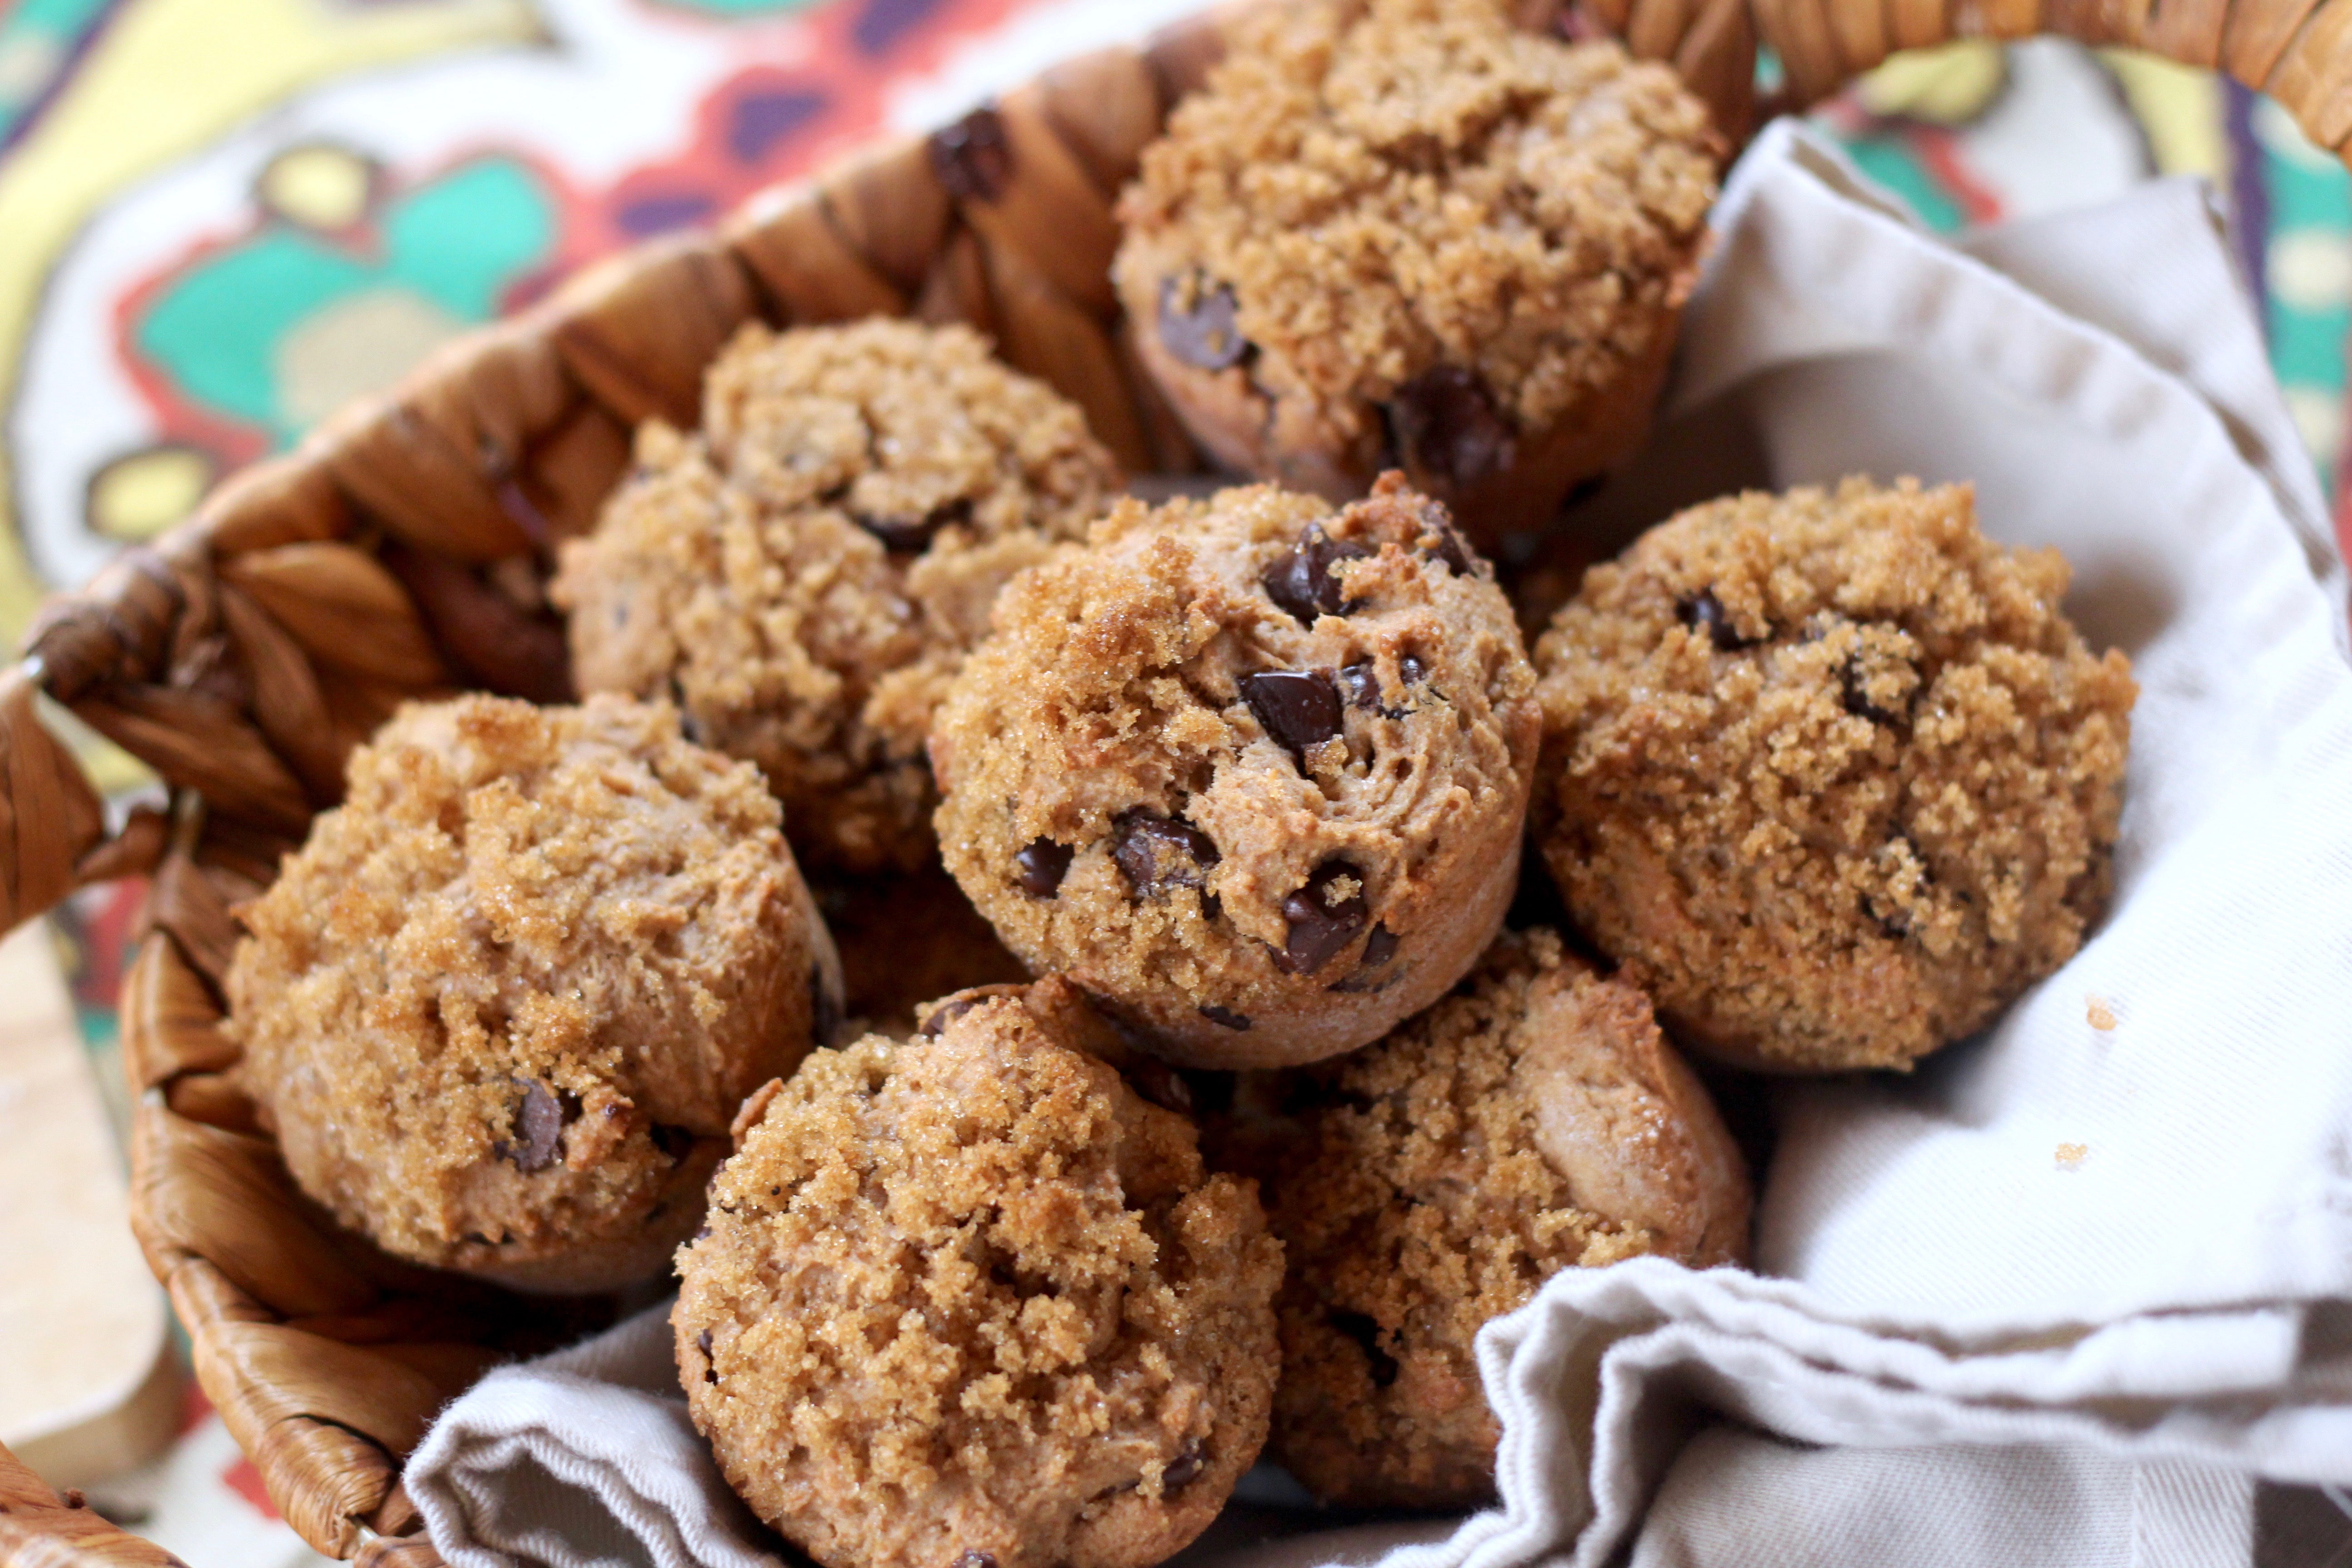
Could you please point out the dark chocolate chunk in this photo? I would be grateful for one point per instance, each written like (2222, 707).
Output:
(1367, 1335)
(824, 1008)
(1361, 681)
(1379, 948)
(1042, 867)
(1447, 425)
(1704, 612)
(946, 1014)
(1185, 1468)
(701, 1232)
(911, 535)
(538, 1129)
(1301, 580)
(1320, 928)
(709, 1370)
(1160, 854)
(973, 160)
(1298, 708)
(1225, 1016)
(1202, 334)
(1441, 543)
(676, 1142)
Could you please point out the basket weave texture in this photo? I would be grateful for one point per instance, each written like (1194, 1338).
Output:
(247, 652)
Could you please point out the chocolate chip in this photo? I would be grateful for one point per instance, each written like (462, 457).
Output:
(941, 1016)
(701, 1232)
(1301, 580)
(702, 1342)
(1367, 1335)
(824, 1008)
(1379, 948)
(975, 1558)
(1185, 1468)
(1447, 425)
(677, 1142)
(1441, 543)
(1041, 867)
(1361, 681)
(1226, 1017)
(537, 1126)
(973, 160)
(1160, 854)
(909, 536)
(1202, 332)
(1298, 708)
(1320, 928)
(1704, 612)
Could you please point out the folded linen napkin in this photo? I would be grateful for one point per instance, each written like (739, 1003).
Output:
(2059, 1294)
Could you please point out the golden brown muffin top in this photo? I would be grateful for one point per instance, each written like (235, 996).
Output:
(535, 953)
(970, 1293)
(806, 575)
(1831, 771)
(1388, 186)
(1533, 1120)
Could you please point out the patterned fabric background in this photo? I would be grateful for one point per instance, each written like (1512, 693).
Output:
(220, 218)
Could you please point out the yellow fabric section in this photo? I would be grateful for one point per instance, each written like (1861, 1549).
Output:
(171, 77)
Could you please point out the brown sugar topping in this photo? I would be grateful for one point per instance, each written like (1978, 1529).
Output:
(1367, 191)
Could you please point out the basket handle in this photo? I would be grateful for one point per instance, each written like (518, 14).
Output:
(40, 1529)
(2298, 52)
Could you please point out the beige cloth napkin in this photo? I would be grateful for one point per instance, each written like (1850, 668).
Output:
(2057, 1297)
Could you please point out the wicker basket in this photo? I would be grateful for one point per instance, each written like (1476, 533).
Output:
(245, 652)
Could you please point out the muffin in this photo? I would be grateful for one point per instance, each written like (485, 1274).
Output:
(968, 1301)
(1251, 769)
(1534, 1121)
(1829, 772)
(804, 575)
(501, 1006)
(1401, 232)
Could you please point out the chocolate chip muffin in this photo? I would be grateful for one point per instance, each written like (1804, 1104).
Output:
(1831, 774)
(1403, 232)
(803, 576)
(1534, 1121)
(968, 1299)
(1251, 769)
(501, 1008)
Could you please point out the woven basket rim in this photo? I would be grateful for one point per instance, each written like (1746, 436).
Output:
(243, 653)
